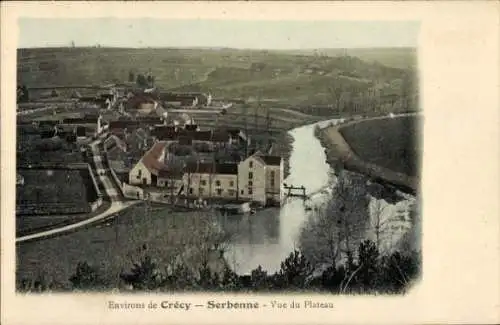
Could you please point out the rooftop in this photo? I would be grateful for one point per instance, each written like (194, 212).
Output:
(211, 168)
(152, 159)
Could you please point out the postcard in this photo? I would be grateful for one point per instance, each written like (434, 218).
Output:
(274, 162)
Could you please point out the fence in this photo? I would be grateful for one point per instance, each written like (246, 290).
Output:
(132, 192)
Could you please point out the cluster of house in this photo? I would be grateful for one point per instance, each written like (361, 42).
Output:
(156, 163)
(257, 178)
(76, 128)
(149, 99)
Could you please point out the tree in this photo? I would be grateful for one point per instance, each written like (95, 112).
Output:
(144, 275)
(332, 277)
(22, 93)
(230, 281)
(350, 208)
(336, 91)
(259, 279)
(332, 232)
(294, 273)
(368, 261)
(399, 271)
(141, 81)
(378, 223)
(131, 76)
(207, 279)
(86, 277)
(39, 284)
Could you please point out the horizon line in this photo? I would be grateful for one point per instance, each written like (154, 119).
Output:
(217, 47)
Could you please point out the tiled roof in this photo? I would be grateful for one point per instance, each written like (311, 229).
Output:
(172, 173)
(175, 97)
(136, 100)
(211, 168)
(123, 124)
(271, 160)
(191, 127)
(151, 158)
(164, 133)
(84, 120)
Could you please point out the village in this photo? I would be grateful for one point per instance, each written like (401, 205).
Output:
(139, 143)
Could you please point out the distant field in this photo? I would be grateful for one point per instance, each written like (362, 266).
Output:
(54, 191)
(390, 143)
(402, 58)
(288, 77)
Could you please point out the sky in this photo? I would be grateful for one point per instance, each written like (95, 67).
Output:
(147, 32)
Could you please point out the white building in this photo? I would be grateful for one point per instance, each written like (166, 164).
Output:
(210, 180)
(146, 171)
(260, 177)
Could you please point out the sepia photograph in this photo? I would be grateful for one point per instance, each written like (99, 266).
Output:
(172, 162)
(199, 155)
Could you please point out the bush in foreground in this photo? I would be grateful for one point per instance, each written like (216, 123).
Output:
(369, 273)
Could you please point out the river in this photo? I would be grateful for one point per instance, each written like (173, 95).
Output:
(259, 243)
(265, 238)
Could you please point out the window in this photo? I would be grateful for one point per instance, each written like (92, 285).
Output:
(250, 191)
(231, 192)
(272, 177)
(219, 191)
(250, 164)
(203, 182)
(139, 174)
(201, 190)
(242, 192)
(190, 190)
(250, 183)
(250, 175)
(231, 183)
(217, 183)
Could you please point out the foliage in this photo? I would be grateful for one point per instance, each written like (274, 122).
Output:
(141, 81)
(22, 93)
(131, 76)
(144, 275)
(368, 273)
(87, 277)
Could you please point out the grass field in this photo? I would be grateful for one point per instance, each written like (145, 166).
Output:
(30, 224)
(113, 246)
(390, 143)
(284, 76)
(55, 191)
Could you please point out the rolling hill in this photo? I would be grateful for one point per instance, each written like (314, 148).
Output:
(291, 77)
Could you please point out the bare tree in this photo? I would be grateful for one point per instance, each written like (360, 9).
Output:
(334, 232)
(377, 222)
(336, 91)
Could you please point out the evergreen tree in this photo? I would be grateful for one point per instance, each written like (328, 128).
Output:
(332, 277)
(230, 280)
(259, 279)
(144, 275)
(86, 277)
(180, 278)
(207, 279)
(294, 272)
(368, 261)
(399, 271)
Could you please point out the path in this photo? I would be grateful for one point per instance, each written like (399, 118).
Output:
(111, 189)
(338, 147)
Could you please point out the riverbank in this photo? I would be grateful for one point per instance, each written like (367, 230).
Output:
(341, 156)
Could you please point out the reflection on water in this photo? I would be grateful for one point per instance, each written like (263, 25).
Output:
(265, 238)
(269, 236)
